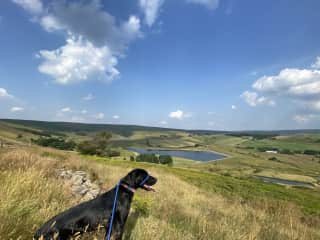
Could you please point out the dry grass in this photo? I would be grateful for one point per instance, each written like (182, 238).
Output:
(30, 194)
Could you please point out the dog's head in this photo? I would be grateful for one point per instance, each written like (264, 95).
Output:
(140, 178)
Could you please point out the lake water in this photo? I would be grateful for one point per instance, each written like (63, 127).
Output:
(284, 181)
(193, 155)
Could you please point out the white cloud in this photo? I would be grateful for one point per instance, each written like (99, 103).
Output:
(4, 93)
(84, 111)
(50, 23)
(291, 81)
(32, 6)
(233, 107)
(99, 116)
(16, 109)
(87, 19)
(179, 114)
(303, 118)
(163, 122)
(210, 4)
(253, 100)
(95, 39)
(316, 64)
(115, 116)
(151, 9)
(66, 109)
(79, 60)
(88, 97)
(300, 86)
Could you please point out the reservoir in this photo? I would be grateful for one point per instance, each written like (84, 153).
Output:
(202, 156)
(285, 181)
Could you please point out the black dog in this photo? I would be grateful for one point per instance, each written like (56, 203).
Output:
(91, 215)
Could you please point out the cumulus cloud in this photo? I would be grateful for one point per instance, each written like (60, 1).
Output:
(99, 116)
(300, 86)
(79, 60)
(32, 6)
(292, 82)
(16, 109)
(95, 39)
(84, 111)
(316, 64)
(253, 99)
(210, 4)
(88, 20)
(66, 109)
(115, 116)
(179, 114)
(304, 118)
(163, 122)
(233, 107)
(151, 10)
(4, 93)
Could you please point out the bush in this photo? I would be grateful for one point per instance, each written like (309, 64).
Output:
(311, 152)
(98, 146)
(151, 158)
(111, 153)
(165, 159)
(54, 142)
(285, 151)
(87, 147)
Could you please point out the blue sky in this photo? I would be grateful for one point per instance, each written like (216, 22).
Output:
(195, 64)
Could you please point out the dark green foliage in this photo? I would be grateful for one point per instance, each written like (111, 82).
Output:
(54, 142)
(87, 147)
(19, 136)
(132, 158)
(99, 146)
(263, 149)
(111, 153)
(165, 159)
(311, 152)
(151, 158)
(286, 151)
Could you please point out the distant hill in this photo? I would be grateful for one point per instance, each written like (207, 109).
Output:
(127, 130)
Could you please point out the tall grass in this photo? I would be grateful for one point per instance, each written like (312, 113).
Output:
(30, 194)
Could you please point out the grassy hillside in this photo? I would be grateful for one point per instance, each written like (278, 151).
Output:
(202, 206)
(194, 200)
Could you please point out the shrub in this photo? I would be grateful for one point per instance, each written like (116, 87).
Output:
(152, 158)
(311, 152)
(285, 151)
(54, 142)
(165, 159)
(98, 146)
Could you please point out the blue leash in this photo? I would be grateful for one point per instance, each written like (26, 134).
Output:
(115, 205)
(113, 211)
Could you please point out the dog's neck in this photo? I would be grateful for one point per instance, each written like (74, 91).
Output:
(130, 189)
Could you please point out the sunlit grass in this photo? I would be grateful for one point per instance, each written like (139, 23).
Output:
(187, 205)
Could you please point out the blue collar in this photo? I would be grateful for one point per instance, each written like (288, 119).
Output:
(144, 180)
